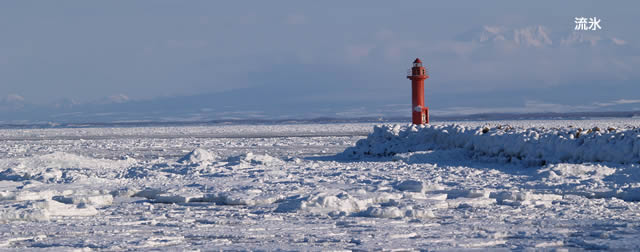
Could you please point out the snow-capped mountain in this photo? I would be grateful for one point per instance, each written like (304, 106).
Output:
(537, 36)
(12, 102)
(65, 103)
(118, 98)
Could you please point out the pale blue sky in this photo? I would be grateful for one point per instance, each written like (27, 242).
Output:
(489, 54)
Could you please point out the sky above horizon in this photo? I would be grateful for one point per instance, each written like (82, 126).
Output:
(498, 55)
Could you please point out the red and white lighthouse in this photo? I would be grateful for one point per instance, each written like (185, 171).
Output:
(417, 75)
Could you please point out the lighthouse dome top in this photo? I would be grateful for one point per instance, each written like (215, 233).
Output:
(417, 63)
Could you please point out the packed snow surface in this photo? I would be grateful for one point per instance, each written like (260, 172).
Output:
(553, 185)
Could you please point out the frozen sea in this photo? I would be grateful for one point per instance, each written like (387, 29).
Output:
(294, 187)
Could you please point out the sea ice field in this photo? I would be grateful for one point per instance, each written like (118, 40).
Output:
(557, 185)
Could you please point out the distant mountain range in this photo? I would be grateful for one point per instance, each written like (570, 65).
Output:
(538, 36)
(223, 108)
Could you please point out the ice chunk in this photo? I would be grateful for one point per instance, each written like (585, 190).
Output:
(411, 186)
(13, 175)
(49, 175)
(60, 209)
(177, 197)
(25, 195)
(97, 200)
(384, 212)
(327, 202)
(23, 211)
(42, 210)
(343, 202)
(483, 193)
(395, 212)
(253, 159)
(523, 196)
(197, 156)
(149, 193)
(562, 172)
(470, 202)
(161, 196)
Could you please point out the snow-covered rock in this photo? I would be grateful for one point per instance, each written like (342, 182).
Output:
(529, 146)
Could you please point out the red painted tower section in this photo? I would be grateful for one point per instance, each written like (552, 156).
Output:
(417, 75)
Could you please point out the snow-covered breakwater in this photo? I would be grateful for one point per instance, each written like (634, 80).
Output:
(532, 146)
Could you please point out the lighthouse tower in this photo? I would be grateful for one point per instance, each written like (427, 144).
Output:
(417, 75)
